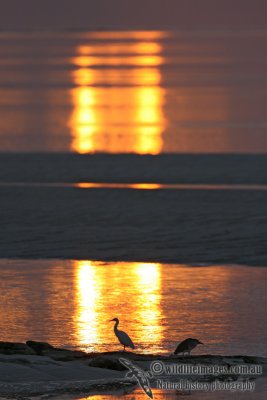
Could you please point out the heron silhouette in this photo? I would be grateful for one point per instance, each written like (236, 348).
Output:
(122, 336)
(187, 345)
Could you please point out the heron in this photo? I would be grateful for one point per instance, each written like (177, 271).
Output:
(122, 336)
(187, 345)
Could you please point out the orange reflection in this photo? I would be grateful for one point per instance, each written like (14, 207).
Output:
(141, 186)
(118, 110)
(88, 293)
(136, 35)
(145, 186)
(98, 300)
(89, 61)
(149, 283)
(144, 77)
(120, 48)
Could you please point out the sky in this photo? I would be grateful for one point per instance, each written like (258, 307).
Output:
(127, 14)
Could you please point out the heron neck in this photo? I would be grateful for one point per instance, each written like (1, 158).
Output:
(116, 326)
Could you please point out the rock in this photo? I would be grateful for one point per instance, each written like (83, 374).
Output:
(39, 347)
(110, 360)
(15, 348)
(46, 349)
(107, 363)
(64, 354)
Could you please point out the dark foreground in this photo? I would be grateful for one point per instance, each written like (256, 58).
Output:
(37, 368)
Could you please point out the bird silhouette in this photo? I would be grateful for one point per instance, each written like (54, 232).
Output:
(122, 336)
(187, 345)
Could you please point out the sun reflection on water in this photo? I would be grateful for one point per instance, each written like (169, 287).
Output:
(117, 98)
(98, 300)
(138, 186)
(88, 293)
(149, 282)
(158, 305)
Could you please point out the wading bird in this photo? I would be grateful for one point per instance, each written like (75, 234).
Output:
(187, 345)
(124, 339)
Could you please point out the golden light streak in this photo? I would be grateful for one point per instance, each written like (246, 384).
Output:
(99, 300)
(144, 77)
(149, 282)
(97, 185)
(87, 296)
(135, 35)
(89, 61)
(125, 116)
(120, 48)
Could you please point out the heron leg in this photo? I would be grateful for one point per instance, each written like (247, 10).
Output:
(123, 348)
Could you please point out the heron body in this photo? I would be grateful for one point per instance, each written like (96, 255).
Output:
(187, 345)
(122, 336)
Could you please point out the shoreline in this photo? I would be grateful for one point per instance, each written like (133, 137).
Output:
(37, 368)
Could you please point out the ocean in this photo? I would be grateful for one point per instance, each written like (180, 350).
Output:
(133, 184)
(142, 92)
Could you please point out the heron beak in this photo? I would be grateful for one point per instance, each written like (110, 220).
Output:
(112, 320)
(200, 343)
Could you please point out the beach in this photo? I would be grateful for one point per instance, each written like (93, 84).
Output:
(57, 373)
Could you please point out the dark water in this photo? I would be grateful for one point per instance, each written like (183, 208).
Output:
(53, 208)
